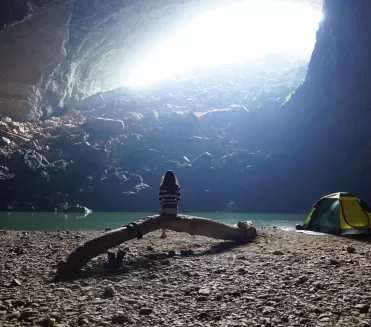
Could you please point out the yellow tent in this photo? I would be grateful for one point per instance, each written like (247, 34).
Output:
(339, 213)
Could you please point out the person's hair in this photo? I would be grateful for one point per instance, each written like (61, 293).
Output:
(170, 181)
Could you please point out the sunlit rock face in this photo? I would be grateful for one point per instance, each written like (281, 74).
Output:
(54, 52)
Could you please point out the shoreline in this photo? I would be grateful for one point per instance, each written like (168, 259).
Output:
(281, 278)
(100, 221)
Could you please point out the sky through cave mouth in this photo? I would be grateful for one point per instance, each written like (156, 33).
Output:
(229, 35)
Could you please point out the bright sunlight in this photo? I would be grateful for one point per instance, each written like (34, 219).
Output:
(231, 34)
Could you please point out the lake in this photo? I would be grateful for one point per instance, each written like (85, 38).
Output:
(50, 221)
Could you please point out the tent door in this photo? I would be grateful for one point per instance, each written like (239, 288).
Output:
(353, 214)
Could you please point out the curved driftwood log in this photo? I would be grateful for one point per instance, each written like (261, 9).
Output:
(241, 233)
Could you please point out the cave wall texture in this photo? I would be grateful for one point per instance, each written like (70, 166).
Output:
(55, 52)
(326, 121)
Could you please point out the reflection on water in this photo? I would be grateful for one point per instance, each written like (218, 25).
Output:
(99, 220)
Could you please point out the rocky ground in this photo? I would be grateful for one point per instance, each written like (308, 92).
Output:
(281, 279)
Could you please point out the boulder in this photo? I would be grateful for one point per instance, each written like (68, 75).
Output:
(102, 99)
(92, 153)
(89, 103)
(105, 125)
(224, 116)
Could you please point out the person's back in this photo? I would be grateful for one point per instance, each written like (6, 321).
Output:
(169, 196)
(169, 200)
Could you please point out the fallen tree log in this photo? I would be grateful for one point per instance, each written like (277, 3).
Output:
(241, 233)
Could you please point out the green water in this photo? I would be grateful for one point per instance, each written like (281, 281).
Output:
(45, 221)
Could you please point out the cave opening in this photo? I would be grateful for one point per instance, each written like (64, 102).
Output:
(249, 95)
(227, 35)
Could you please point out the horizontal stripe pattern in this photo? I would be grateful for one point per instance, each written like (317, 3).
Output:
(169, 200)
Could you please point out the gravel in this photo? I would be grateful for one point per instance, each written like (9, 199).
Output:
(281, 279)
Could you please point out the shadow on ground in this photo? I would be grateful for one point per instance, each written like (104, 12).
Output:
(147, 262)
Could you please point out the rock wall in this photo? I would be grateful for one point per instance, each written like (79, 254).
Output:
(31, 54)
(325, 124)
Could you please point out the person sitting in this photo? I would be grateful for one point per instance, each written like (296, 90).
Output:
(169, 196)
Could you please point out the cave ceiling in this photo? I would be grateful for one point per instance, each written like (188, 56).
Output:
(57, 51)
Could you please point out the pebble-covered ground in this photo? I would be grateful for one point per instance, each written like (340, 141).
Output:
(281, 279)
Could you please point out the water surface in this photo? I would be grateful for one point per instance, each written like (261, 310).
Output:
(48, 221)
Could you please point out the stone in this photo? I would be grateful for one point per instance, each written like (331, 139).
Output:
(218, 297)
(202, 298)
(17, 282)
(94, 101)
(48, 322)
(362, 308)
(204, 291)
(145, 311)
(165, 262)
(277, 252)
(105, 125)
(351, 249)
(109, 291)
(301, 279)
(4, 141)
(121, 318)
(153, 276)
(83, 321)
(267, 310)
(26, 314)
(224, 116)
(334, 262)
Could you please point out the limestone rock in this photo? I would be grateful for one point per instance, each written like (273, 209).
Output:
(92, 153)
(224, 116)
(145, 311)
(31, 52)
(109, 291)
(105, 125)
(363, 308)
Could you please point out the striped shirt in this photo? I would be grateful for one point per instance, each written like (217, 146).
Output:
(169, 200)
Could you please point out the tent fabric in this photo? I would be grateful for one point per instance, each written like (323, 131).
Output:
(339, 213)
